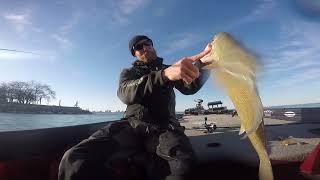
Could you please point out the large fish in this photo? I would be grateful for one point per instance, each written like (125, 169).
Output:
(235, 68)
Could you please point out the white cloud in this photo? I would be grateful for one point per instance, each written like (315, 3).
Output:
(263, 8)
(180, 42)
(21, 56)
(19, 21)
(123, 9)
(118, 18)
(63, 42)
(159, 12)
(129, 6)
(297, 54)
(69, 24)
(297, 78)
(16, 56)
(61, 35)
(37, 29)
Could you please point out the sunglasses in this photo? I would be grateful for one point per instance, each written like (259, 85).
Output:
(139, 46)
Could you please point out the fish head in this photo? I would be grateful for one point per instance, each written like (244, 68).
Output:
(218, 43)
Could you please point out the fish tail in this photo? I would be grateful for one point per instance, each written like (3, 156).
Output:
(258, 142)
(265, 169)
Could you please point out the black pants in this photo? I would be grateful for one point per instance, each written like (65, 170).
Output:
(118, 151)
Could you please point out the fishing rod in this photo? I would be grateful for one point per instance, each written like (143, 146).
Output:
(18, 51)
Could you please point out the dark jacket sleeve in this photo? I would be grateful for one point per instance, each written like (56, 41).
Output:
(196, 85)
(133, 89)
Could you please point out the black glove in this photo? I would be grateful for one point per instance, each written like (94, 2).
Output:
(143, 128)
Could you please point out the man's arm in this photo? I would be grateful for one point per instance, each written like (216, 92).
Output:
(196, 84)
(133, 90)
(188, 74)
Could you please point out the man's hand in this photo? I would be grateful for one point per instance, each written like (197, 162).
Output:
(207, 60)
(184, 68)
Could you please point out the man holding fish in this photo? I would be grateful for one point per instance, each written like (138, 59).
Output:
(150, 123)
(147, 90)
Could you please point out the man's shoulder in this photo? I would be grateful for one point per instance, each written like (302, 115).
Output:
(128, 69)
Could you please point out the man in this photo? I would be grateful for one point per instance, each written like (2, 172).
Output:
(149, 135)
(147, 89)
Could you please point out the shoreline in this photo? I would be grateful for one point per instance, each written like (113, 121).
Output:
(18, 108)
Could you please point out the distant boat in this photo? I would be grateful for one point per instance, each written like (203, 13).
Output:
(214, 107)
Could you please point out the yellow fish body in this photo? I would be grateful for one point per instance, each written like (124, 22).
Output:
(234, 68)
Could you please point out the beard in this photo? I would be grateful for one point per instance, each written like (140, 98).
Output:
(150, 55)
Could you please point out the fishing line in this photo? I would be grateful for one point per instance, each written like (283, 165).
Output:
(18, 51)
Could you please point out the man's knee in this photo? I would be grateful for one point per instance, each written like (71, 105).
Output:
(170, 143)
(177, 150)
(70, 156)
(68, 166)
(90, 158)
(183, 164)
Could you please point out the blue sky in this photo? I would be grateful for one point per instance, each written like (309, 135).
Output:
(81, 46)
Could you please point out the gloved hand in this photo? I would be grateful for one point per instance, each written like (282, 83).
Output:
(177, 128)
(143, 128)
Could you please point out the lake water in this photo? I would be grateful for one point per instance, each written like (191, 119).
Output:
(12, 122)
(309, 105)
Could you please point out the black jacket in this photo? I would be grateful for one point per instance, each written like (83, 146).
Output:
(149, 97)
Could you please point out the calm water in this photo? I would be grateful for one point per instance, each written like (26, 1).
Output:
(309, 105)
(11, 122)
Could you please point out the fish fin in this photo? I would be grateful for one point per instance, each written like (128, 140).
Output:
(254, 127)
(242, 130)
(244, 137)
(258, 118)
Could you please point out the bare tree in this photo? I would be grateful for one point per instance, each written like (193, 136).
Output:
(39, 92)
(16, 91)
(48, 93)
(26, 92)
(3, 93)
(29, 93)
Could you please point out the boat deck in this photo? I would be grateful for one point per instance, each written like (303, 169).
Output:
(287, 141)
